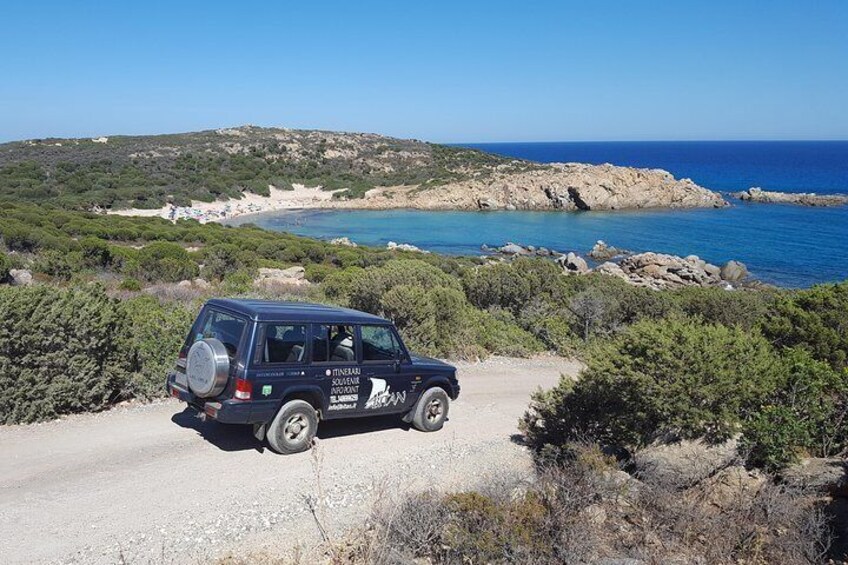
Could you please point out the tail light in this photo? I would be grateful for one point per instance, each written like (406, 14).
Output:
(243, 389)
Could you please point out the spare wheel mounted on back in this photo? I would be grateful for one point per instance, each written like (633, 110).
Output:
(207, 368)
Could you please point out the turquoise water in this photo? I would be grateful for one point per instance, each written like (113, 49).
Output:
(781, 244)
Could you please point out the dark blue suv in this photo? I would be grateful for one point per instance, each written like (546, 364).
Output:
(284, 366)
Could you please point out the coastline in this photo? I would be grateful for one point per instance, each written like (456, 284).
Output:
(299, 198)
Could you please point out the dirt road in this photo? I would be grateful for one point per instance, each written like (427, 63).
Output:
(154, 484)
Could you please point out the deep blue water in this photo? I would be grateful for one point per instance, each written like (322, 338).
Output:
(781, 244)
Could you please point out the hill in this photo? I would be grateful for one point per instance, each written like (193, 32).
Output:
(148, 172)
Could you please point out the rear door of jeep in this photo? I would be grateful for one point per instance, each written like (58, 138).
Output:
(231, 329)
(334, 366)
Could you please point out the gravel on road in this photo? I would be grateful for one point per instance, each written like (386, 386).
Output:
(154, 484)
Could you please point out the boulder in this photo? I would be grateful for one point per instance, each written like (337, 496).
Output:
(486, 204)
(610, 269)
(603, 252)
(660, 271)
(20, 277)
(724, 489)
(184, 284)
(292, 276)
(403, 247)
(819, 474)
(573, 263)
(734, 271)
(683, 463)
(512, 249)
(201, 283)
(343, 241)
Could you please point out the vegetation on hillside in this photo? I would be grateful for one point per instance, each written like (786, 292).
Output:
(150, 171)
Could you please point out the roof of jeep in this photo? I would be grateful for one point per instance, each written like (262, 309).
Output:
(271, 311)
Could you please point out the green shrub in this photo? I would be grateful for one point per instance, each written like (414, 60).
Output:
(95, 252)
(237, 282)
(57, 264)
(221, 260)
(814, 319)
(130, 284)
(156, 332)
(806, 415)
(743, 308)
(166, 262)
(511, 285)
(61, 351)
(5, 266)
(675, 376)
(367, 289)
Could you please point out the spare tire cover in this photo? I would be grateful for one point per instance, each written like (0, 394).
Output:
(207, 367)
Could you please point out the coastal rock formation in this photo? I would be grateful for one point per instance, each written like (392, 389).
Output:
(756, 194)
(391, 246)
(734, 271)
(661, 271)
(573, 263)
(557, 186)
(379, 172)
(603, 252)
(344, 241)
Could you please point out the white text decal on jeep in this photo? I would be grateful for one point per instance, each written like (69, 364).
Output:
(343, 372)
(344, 392)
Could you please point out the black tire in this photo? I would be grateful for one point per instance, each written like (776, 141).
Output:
(431, 410)
(293, 428)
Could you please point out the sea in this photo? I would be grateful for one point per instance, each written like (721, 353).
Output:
(781, 244)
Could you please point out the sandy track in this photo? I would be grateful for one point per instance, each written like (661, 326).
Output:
(154, 484)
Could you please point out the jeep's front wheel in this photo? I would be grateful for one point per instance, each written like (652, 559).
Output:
(431, 411)
(293, 428)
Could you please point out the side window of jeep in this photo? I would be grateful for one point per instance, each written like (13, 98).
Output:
(379, 344)
(284, 343)
(333, 344)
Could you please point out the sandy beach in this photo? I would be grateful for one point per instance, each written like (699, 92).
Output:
(299, 197)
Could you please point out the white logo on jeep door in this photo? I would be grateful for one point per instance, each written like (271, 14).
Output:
(381, 396)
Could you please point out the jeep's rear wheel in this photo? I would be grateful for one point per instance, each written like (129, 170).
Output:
(293, 428)
(431, 411)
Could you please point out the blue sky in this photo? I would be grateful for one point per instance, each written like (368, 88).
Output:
(440, 71)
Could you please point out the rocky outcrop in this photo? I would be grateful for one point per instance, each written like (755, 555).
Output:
(756, 194)
(684, 463)
(557, 186)
(820, 475)
(603, 252)
(293, 276)
(20, 277)
(573, 264)
(343, 241)
(734, 271)
(392, 246)
(661, 271)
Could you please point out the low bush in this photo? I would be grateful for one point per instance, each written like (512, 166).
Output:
(156, 333)
(61, 351)
(815, 320)
(807, 415)
(5, 266)
(676, 376)
(588, 511)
